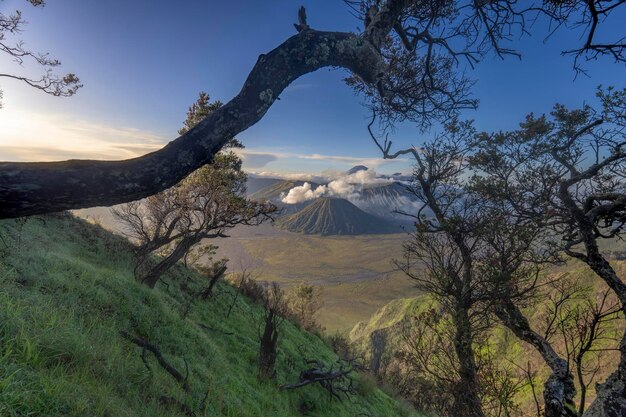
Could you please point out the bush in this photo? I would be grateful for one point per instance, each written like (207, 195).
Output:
(340, 344)
(252, 289)
(304, 303)
(367, 384)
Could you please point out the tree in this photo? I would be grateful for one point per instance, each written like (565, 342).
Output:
(515, 254)
(203, 206)
(424, 368)
(407, 62)
(568, 171)
(441, 256)
(304, 303)
(580, 320)
(49, 82)
(480, 258)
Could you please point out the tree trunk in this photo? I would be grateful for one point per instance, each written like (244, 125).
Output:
(153, 276)
(217, 274)
(466, 396)
(559, 389)
(267, 350)
(611, 395)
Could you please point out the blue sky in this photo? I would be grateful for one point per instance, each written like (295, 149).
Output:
(143, 63)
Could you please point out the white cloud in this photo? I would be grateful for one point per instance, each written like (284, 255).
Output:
(303, 193)
(339, 184)
(272, 156)
(256, 160)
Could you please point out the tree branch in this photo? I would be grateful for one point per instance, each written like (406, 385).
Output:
(143, 343)
(44, 187)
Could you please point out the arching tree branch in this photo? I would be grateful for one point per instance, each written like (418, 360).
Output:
(43, 187)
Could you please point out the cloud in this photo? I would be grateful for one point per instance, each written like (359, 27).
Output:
(339, 184)
(256, 160)
(299, 158)
(303, 193)
(26, 136)
(294, 176)
(350, 160)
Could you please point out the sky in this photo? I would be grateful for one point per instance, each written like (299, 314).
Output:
(143, 63)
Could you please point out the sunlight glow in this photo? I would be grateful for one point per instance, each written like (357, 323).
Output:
(27, 136)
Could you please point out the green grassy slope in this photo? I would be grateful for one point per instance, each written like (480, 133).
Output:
(66, 290)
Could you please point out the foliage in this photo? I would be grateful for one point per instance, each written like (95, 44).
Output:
(565, 172)
(432, 44)
(304, 302)
(493, 208)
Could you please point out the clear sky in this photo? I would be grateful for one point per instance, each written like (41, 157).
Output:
(143, 62)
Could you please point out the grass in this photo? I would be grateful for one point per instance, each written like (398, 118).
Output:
(66, 291)
(355, 272)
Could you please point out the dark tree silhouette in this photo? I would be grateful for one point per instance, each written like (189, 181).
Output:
(484, 239)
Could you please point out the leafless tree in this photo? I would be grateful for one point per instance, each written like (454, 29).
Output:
(580, 322)
(424, 367)
(479, 257)
(443, 255)
(409, 61)
(203, 206)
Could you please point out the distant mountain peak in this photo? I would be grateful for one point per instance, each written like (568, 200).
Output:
(335, 216)
(356, 169)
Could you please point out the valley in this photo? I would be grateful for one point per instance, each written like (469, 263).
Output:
(355, 272)
(344, 246)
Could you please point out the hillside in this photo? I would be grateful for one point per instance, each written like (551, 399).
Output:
(67, 290)
(335, 216)
(256, 183)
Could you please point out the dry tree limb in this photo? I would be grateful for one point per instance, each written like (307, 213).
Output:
(144, 344)
(214, 329)
(335, 382)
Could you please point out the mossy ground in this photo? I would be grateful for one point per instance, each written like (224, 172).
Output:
(67, 290)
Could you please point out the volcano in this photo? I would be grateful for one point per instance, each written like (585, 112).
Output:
(335, 216)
